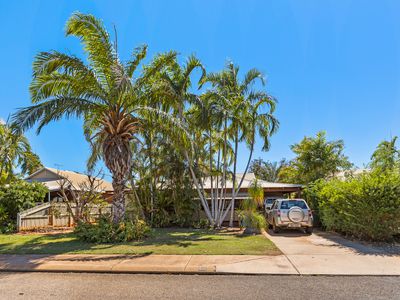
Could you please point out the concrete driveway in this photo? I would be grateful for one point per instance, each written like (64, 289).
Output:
(327, 253)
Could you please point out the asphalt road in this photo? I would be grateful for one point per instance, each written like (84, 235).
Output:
(128, 286)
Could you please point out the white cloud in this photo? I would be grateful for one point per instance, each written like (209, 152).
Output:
(2, 121)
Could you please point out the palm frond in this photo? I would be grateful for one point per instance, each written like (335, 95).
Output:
(52, 110)
(250, 78)
(138, 55)
(96, 41)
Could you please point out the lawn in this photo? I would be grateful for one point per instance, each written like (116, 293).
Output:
(161, 241)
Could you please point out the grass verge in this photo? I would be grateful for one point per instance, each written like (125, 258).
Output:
(162, 241)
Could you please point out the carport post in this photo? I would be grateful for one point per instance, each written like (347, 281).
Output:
(18, 221)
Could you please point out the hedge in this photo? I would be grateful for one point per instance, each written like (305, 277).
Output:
(365, 207)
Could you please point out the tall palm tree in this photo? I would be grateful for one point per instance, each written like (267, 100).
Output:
(249, 111)
(175, 84)
(103, 92)
(15, 151)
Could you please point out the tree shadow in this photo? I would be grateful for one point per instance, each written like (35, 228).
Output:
(50, 244)
(361, 247)
(180, 237)
(68, 243)
(336, 240)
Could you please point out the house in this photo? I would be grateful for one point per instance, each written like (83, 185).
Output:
(43, 215)
(272, 190)
(53, 179)
(343, 175)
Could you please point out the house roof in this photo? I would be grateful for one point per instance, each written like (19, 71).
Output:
(342, 175)
(51, 179)
(248, 180)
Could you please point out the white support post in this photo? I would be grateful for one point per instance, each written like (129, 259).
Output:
(18, 222)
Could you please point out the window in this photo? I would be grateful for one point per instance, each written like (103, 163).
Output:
(290, 203)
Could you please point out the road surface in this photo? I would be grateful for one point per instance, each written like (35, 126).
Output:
(130, 286)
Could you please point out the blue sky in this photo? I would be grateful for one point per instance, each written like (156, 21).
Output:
(332, 65)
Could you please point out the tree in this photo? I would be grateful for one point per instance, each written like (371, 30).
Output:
(250, 218)
(105, 93)
(15, 153)
(247, 111)
(267, 170)
(81, 199)
(386, 156)
(18, 196)
(256, 192)
(316, 158)
(228, 113)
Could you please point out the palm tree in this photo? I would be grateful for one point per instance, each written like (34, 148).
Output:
(104, 93)
(386, 156)
(15, 151)
(248, 112)
(267, 170)
(174, 85)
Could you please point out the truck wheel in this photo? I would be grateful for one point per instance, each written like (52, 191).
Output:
(309, 230)
(275, 228)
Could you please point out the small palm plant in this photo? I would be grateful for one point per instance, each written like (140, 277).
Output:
(250, 218)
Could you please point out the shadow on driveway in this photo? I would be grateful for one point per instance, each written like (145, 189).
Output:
(333, 240)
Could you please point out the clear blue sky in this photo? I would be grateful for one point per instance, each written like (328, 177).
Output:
(333, 65)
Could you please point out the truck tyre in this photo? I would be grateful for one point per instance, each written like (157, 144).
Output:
(275, 228)
(309, 230)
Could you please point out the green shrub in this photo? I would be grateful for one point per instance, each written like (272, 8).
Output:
(250, 218)
(252, 221)
(104, 231)
(366, 207)
(16, 197)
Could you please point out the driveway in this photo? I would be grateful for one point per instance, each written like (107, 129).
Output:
(327, 253)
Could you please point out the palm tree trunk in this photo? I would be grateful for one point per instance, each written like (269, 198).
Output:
(139, 204)
(152, 185)
(224, 170)
(118, 204)
(211, 176)
(234, 180)
(217, 193)
(200, 190)
(118, 159)
(247, 167)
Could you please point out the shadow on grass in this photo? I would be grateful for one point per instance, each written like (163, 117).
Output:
(67, 243)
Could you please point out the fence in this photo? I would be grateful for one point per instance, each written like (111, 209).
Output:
(53, 215)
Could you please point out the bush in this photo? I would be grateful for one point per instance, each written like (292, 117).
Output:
(250, 218)
(16, 197)
(104, 231)
(252, 221)
(366, 207)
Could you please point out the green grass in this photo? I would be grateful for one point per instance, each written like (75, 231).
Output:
(162, 241)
